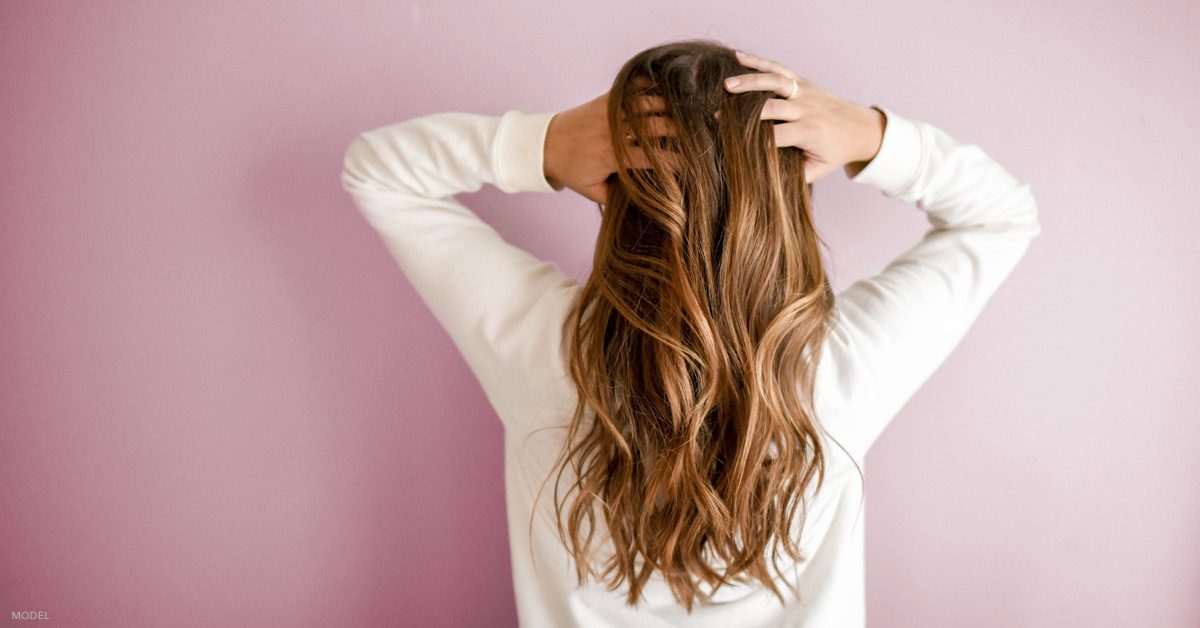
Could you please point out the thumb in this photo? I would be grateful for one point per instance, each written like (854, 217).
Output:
(814, 170)
(597, 192)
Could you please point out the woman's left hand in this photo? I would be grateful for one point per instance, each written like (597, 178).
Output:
(579, 152)
(833, 132)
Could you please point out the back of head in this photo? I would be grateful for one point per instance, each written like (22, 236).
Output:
(695, 338)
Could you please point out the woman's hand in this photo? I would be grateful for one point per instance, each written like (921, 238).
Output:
(831, 131)
(579, 152)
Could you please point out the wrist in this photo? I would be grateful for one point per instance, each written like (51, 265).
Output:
(872, 134)
(870, 141)
(551, 150)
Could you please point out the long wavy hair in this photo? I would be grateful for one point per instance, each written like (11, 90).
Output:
(695, 339)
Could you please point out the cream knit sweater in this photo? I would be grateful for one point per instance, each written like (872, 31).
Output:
(503, 309)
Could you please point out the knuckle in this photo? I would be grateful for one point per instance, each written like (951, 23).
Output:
(653, 103)
(660, 125)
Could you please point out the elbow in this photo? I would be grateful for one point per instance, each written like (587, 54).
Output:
(1016, 214)
(354, 165)
(1029, 212)
(357, 170)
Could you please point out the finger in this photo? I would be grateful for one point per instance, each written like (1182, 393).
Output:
(654, 127)
(792, 134)
(651, 104)
(661, 126)
(664, 147)
(638, 158)
(781, 109)
(764, 64)
(648, 105)
(768, 81)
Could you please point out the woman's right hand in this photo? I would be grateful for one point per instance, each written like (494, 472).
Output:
(831, 131)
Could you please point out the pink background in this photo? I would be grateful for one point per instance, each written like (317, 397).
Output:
(222, 403)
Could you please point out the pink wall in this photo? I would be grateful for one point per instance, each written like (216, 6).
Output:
(222, 402)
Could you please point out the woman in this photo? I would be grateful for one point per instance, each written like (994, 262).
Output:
(703, 402)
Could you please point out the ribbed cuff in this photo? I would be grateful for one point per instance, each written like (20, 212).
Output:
(900, 157)
(519, 157)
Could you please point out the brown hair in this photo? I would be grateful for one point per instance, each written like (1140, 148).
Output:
(695, 339)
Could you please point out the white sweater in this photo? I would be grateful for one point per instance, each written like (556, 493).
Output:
(503, 309)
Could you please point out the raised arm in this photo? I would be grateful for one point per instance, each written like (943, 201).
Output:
(892, 330)
(495, 300)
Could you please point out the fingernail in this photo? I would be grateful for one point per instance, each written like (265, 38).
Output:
(732, 82)
(739, 53)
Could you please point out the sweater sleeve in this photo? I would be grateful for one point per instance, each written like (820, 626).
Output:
(495, 300)
(892, 330)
